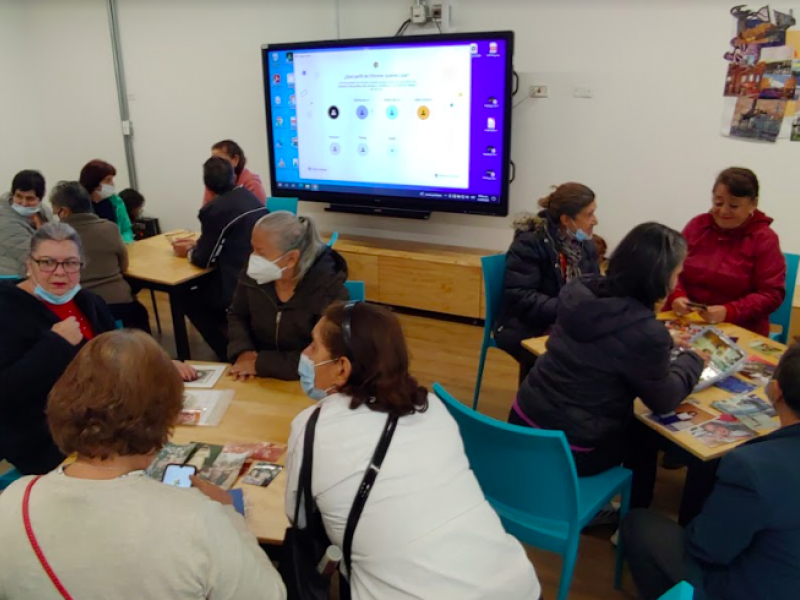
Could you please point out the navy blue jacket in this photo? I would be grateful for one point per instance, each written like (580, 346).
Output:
(747, 539)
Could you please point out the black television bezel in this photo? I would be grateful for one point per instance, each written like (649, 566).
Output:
(366, 200)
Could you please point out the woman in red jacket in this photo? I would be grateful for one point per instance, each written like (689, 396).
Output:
(735, 266)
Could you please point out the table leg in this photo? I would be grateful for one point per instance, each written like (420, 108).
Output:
(176, 303)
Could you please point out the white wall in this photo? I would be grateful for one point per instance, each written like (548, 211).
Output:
(648, 143)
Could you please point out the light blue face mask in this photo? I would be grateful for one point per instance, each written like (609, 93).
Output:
(307, 371)
(579, 235)
(25, 211)
(51, 298)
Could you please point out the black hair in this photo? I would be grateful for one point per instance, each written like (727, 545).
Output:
(133, 202)
(788, 377)
(71, 195)
(29, 181)
(741, 183)
(232, 149)
(643, 263)
(218, 175)
(567, 199)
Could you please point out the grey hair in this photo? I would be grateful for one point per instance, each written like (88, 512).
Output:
(291, 232)
(56, 232)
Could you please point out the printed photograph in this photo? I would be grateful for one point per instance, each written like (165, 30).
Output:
(758, 120)
(261, 474)
(169, 454)
(766, 349)
(721, 431)
(751, 410)
(262, 451)
(204, 455)
(758, 371)
(225, 469)
(686, 416)
(734, 385)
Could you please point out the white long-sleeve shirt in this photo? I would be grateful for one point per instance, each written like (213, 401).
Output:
(427, 531)
(131, 537)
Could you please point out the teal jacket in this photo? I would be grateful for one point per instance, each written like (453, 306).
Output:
(123, 220)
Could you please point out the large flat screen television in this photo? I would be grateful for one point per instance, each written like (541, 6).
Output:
(388, 125)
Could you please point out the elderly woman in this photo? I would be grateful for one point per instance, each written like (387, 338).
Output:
(735, 269)
(44, 321)
(97, 176)
(22, 212)
(100, 523)
(290, 280)
(426, 530)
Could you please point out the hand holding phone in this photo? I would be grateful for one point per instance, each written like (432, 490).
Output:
(179, 475)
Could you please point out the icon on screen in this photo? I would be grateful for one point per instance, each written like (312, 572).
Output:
(490, 174)
(491, 150)
(492, 47)
(277, 100)
(293, 122)
(281, 164)
(333, 112)
(276, 79)
(491, 124)
(294, 142)
(275, 56)
(295, 162)
(362, 112)
(290, 57)
(492, 101)
(292, 100)
(279, 121)
(290, 78)
(473, 48)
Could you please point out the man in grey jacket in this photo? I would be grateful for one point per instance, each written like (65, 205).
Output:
(22, 212)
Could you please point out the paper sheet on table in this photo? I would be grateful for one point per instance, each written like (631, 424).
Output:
(209, 375)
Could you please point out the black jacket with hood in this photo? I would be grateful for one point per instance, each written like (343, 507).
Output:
(533, 279)
(32, 359)
(603, 353)
(258, 321)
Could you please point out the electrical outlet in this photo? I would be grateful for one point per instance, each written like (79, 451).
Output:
(538, 91)
(582, 91)
(419, 14)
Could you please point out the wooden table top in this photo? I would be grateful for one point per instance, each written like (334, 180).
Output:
(152, 259)
(704, 398)
(262, 410)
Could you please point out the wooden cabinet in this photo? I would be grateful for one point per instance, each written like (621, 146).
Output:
(443, 279)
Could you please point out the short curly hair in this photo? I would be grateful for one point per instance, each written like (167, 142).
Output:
(120, 396)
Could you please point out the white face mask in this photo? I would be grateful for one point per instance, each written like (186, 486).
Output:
(25, 211)
(263, 270)
(106, 191)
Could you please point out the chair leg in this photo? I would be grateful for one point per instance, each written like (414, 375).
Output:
(623, 510)
(155, 310)
(570, 557)
(478, 382)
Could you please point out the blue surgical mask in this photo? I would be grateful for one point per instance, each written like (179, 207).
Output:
(307, 371)
(25, 211)
(51, 298)
(582, 236)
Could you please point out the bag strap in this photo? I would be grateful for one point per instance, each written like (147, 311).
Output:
(366, 487)
(26, 519)
(304, 480)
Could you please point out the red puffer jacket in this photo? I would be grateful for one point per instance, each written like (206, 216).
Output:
(742, 269)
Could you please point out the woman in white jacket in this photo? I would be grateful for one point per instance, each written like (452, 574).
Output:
(427, 530)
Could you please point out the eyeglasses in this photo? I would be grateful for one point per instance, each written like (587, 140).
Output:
(49, 265)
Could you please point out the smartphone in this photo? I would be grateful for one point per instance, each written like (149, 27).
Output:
(697, 306)
(178, 475)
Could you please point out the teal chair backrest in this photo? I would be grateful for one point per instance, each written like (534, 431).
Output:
(682, 591)
(334, 237)
(783, 316)
(357, 290)
(523, 471)
(289, 204)
(494, 270)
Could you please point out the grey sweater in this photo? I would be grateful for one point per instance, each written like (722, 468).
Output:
(15, 239)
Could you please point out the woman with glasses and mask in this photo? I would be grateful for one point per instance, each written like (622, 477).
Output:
(426, 529)
(45, 321)
(290, 279)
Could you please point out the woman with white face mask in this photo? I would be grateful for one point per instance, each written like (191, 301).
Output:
(97, 176)
(290, 279)
(22, 212)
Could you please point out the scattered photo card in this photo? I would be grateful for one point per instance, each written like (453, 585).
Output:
(261, 474)
(766, 349)
(734, 385)
(757, 119)
(261, 451)
(207, 375)
(169, 454)
(224, 471)
(724, 430)
(758, 371)
(686, 416)
(204, 455)
(751, 410)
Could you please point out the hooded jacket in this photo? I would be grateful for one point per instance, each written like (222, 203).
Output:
(279, 332)
(32, 359)
(741, 269)
(533, 279)
(603, 353)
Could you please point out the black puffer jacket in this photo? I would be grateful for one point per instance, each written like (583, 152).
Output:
(32, 359)
(533, 279)
(280, 332)
(603, 353)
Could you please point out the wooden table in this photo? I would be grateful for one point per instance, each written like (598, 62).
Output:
(262, 410)
(684, 439)
(153, 265)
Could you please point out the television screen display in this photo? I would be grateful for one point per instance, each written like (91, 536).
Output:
(417, 123)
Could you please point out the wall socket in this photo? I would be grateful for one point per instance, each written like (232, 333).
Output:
(538, 91)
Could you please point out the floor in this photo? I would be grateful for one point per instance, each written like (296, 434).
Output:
(447, 352)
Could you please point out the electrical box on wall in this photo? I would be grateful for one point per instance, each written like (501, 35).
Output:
(437, 12)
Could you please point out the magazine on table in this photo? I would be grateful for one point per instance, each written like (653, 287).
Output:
(686, 416)
(723, 430)
(749, 409)
(726, 356)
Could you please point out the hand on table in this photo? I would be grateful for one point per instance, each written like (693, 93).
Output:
(681, 339)
(714, 314)
(705, 356)
(69, 329)
(216, 493)
(181, 246)
(681, 307)
(186, 372)
(245, 367)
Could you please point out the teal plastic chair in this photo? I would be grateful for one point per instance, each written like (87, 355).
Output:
(334, 237)
(357, 290)
(528, 476)
(9, 477)
(494, 268)
(288, 204)
(783, 316)
(682, 591)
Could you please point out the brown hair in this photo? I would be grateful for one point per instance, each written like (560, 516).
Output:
(741, 183)
(379, 356)
(94, 172)
(566, 199)
(120, 396)
(232, 149)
